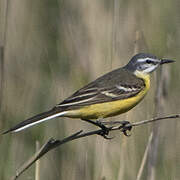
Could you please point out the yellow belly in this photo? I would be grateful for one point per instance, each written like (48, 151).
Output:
(107, 109)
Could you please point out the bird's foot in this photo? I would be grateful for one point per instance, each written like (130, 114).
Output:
(105, 130)
(125, 127)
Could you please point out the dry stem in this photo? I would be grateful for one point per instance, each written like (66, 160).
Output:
(52, 143)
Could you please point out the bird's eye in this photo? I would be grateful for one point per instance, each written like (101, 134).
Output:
(148, 61)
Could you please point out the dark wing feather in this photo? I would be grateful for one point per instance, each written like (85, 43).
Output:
(105, 89)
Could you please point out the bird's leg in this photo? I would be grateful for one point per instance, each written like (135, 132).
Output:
(92, 122)
(98, 123)
(124, 127)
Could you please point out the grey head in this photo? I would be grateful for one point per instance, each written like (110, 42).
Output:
(145, 63)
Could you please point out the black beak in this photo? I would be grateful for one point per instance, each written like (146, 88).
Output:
(164, 61)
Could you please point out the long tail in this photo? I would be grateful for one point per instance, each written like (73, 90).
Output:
(36, 119)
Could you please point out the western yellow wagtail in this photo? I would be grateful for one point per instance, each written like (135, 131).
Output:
(111, 94)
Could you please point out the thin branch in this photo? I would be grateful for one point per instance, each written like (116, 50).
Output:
(52, 143)
(37, 168)
(140, 172)
(144, 121)
(1, 75)
(160, 106)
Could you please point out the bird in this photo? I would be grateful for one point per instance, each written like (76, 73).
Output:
(112, 94)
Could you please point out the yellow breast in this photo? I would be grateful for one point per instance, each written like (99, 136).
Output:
(107, 109)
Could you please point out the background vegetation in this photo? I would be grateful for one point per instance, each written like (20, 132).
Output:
(52, 48)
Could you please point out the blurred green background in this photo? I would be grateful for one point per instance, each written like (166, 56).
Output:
(54, 47)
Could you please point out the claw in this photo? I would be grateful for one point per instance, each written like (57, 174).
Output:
(124, 128)
(125, 133)
(105, 130)
(108, 138)
(104, 133)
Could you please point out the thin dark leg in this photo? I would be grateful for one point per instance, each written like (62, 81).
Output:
(96, 123)
(99, 124)
(124, 125)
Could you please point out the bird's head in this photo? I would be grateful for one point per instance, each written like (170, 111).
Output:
(145, 63)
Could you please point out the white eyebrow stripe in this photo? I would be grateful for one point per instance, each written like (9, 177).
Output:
(145, 59)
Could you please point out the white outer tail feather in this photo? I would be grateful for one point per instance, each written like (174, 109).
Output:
(41, 120)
